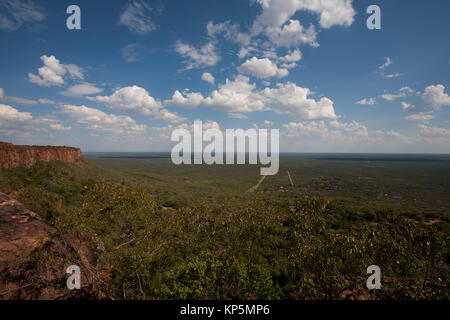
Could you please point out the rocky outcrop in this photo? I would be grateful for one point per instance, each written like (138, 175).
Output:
(33, 262)
(12, 156)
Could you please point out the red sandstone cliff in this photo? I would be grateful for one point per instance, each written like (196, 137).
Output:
(12, 156)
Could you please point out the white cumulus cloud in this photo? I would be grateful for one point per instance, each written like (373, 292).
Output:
(292, 34)
(407, 107)
(292, 56)
(237, 95)
(262, 68)
(331, 12)
(208, 77)
(435, 98)
(240, 96)
(11, 117)
(52, 72)
(137, 100)
(294, 100)
(133, 99)
(187, 100)
(97, 120)
(275, 19)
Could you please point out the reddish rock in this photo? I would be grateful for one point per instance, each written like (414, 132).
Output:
(347, 294)
(12, 156)
(32, 263)
(21, 232)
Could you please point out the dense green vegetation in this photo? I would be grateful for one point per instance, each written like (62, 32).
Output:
(416, 186)
(165, 232)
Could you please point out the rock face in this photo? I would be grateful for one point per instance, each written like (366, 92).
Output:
(20, 229)
(21, 232)
(12, 156)
(32, 263)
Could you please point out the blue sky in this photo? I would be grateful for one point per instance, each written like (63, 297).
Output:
(139, 69)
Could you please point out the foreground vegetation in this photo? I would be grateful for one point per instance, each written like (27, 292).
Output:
(256, 248)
